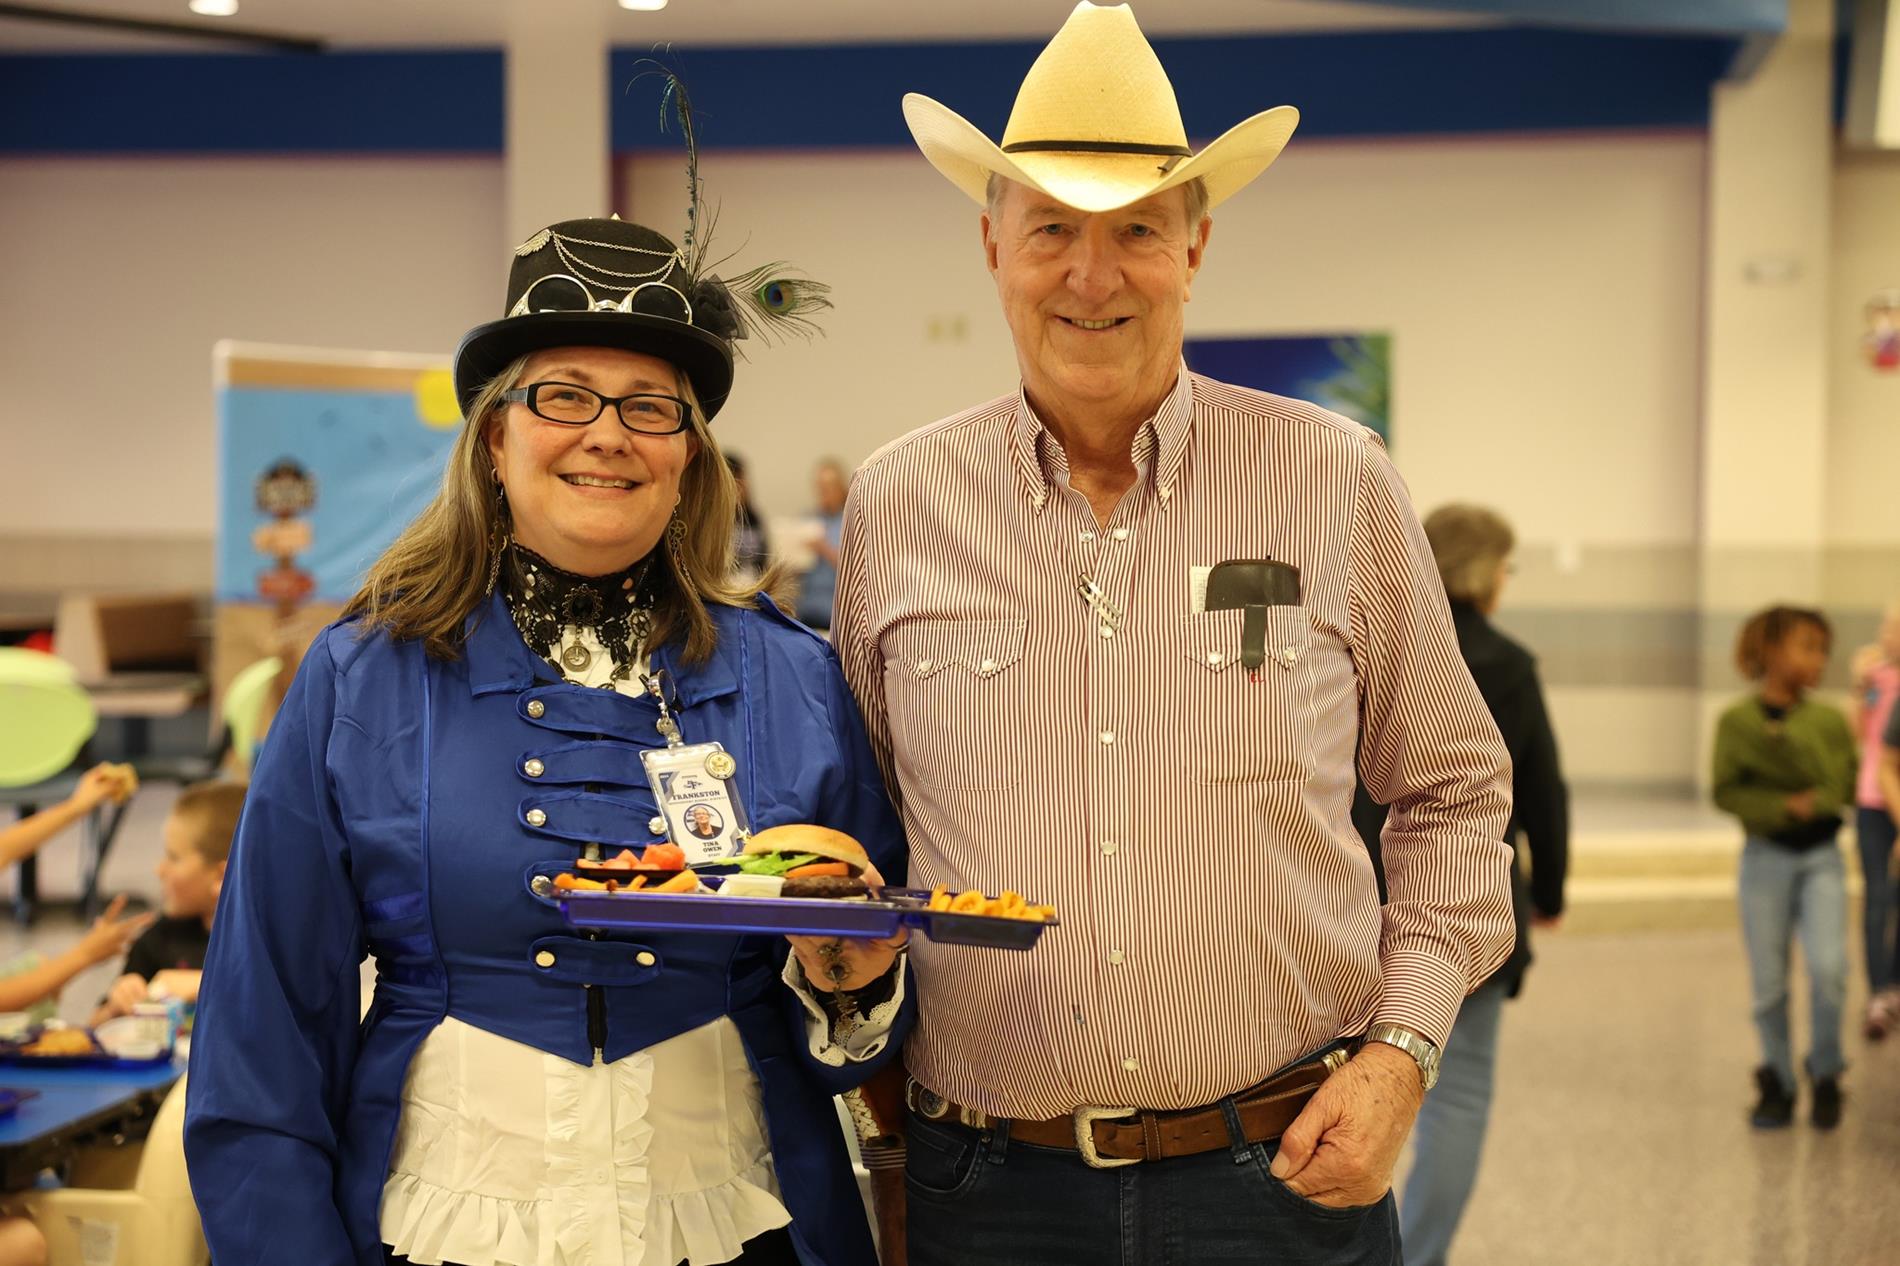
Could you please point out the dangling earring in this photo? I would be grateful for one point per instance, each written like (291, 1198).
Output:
(676, 545)
(497, 538)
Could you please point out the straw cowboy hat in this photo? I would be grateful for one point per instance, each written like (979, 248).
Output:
(1096, 125)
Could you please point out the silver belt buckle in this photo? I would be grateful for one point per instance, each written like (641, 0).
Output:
(1085, 1119)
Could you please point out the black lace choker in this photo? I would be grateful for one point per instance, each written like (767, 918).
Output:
(544, 601)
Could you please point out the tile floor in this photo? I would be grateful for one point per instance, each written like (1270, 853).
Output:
(1619, 1133)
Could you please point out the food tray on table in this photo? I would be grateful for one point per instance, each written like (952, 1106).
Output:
(799, 916)
(17, 1052)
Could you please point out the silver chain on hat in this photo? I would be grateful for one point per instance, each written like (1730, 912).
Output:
(574, 261)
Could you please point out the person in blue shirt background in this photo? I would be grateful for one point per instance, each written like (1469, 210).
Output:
(520, 1091)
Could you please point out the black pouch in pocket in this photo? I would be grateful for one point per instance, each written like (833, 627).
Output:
(1252, 584)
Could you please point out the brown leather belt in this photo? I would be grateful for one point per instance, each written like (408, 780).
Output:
(1112, 1137)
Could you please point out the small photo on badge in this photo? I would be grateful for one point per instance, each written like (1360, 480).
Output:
(703, 822)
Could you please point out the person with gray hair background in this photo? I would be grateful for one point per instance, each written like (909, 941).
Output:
(1472, 546)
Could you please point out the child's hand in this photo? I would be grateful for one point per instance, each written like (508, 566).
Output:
(103, 782)
(109, 934)
(127, 992)
(1801, 804)
(176, 982)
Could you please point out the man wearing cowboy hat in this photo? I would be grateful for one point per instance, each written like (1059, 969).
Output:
(1174, 618)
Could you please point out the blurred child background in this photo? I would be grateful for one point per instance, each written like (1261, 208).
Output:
(31, 983)
(103, 782)
(1784, 766)
(168, 960)
(1876, 685)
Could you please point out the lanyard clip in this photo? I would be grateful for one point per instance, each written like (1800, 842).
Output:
(666, 725)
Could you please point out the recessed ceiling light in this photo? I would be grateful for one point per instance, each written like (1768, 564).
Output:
(643, 6)
(214, 8)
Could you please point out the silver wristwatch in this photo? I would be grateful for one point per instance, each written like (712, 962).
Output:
(1413, 1044)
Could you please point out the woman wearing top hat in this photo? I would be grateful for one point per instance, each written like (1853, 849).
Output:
(520, 1092)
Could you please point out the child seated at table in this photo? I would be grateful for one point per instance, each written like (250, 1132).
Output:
(110, 933)
(103, 782)
(168, 960)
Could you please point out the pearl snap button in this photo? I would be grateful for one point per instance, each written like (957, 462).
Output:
(923, 665)
(537, 709)
(1289, 655)
(1088, 536)
(1115, 956)
(1109, 847)
(1131, 1065)
(1120, 534)
(645, 958)
(1107, 736)
(533, 768)
(544, 959)
(1107, 631)
(537, 817)
(987, 667)
(1215, 658)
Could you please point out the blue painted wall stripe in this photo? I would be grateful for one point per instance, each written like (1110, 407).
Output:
(380, 102)
(1360, 84)
(1383, 83)
(1720, 17)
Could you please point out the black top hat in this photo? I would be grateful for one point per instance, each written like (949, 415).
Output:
(607, 283)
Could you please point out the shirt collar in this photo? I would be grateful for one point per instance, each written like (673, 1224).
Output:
(1159, 447)
(499, 660)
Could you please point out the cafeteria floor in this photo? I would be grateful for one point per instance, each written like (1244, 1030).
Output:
(1619, 1132)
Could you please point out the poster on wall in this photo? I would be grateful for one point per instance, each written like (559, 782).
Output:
(1347, 373)
(323, 457)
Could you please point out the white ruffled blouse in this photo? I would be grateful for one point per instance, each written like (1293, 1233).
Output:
(508, 1156)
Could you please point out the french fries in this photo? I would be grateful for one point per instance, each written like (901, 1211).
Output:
(1010, 905)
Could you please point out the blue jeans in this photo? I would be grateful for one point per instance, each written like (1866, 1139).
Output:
(1449, 1135)
(1787, 893)
(979, 1199)
(1875, 828)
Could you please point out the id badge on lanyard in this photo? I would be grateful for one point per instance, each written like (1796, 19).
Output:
(693, 787)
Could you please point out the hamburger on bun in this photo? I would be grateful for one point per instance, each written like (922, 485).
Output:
(815, 861)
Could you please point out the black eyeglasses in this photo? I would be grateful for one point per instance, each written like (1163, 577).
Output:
(573, 405)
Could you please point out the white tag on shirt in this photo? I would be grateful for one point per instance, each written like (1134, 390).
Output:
(1197, 588)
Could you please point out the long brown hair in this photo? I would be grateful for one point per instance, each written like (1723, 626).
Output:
(428, 582)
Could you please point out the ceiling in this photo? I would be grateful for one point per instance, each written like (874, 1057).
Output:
(443, 23)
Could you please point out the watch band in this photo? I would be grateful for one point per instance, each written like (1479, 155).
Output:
(1418, 1046)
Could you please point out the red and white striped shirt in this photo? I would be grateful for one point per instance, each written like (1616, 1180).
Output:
(1189, 820)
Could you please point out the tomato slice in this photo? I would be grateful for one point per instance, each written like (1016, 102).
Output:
(816, 869)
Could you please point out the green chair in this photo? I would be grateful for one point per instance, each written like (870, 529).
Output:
(46, 719)
(244, 705)
(20, 664)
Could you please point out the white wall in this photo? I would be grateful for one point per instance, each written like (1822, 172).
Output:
(120, 274)
(1864, 459)
(1543, 294)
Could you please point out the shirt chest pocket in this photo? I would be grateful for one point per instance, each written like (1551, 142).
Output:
(950, 687)
(1249, 725)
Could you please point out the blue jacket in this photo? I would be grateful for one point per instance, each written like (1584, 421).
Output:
(388, 815)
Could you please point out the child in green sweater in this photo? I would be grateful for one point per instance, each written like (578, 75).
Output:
(1785, 766)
